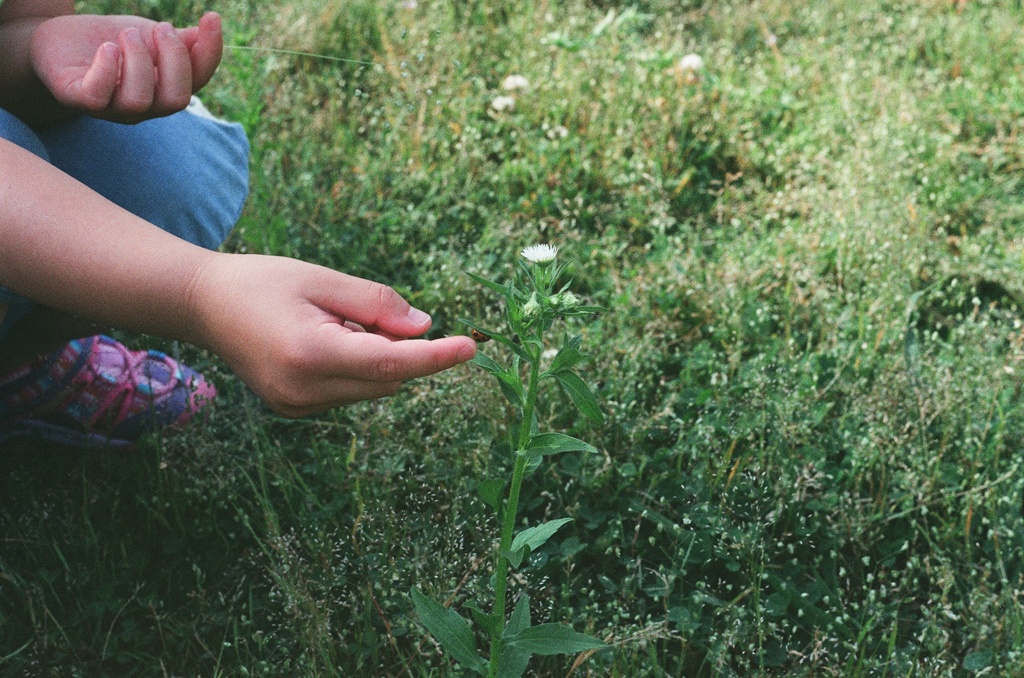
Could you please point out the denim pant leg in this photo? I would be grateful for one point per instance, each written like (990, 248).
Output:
(187, 173)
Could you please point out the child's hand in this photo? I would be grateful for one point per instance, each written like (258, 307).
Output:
(123, 68)
(306, 338)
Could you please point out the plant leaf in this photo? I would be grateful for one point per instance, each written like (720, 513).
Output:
(520, 351)
(511, 387)
(508, 380)
(515, 558)
(580, 395)
(584, 310)
(491, 491)
(514, 660)
(548, 639)
(489, 622)
(490, 284)
(520, 618)
(484, 361)
(534, 537)
(497, 336)
(450, 630)
(544, 444)
(566, 359)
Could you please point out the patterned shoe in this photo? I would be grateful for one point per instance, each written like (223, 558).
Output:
(95, 392)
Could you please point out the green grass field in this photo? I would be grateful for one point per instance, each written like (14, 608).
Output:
(812, 260)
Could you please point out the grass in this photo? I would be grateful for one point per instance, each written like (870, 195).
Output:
(810, 366)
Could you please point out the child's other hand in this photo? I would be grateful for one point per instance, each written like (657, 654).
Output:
(306, 338)
(123, 68)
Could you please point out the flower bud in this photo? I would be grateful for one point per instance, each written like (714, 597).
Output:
(565, 301)
(531, 308)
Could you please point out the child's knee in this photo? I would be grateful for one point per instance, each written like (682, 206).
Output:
(185, 173)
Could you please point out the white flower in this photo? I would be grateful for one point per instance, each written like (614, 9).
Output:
(514, 82)
(409, 4)
(540, 254)
(691, 63)
(557, 132)
(503, 103)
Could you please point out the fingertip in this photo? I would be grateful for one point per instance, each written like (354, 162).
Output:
(165, 30)
(108, 51)
(207, 49)
(210, 20)
(459, 349)
(467, 351)
(418, 318)
(211, 28)
(131, 36)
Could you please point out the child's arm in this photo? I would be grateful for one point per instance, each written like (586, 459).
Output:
(54, 64)
(290, 330)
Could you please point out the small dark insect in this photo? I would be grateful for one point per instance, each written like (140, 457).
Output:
(479, 337)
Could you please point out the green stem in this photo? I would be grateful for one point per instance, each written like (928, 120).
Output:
(509, 523)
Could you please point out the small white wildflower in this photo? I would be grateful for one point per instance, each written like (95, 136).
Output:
(549, 354)
(503, 103)
(557, 132)
(691, 63)
(772, 40)
(409, 4)
(514, 82)
(540, 254)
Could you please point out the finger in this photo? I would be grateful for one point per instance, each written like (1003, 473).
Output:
(380, 333)
(174, 70)
(206, 47)
(134, 94)
(339, 366)
(376, 307)
(370, 357)
(98, 84)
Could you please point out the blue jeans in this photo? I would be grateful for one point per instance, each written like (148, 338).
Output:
(187, 173)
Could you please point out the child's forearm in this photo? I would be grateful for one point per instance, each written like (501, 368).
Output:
(84, 255)
(21, 91)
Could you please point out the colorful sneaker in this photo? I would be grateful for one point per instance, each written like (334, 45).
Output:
(95, 392)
